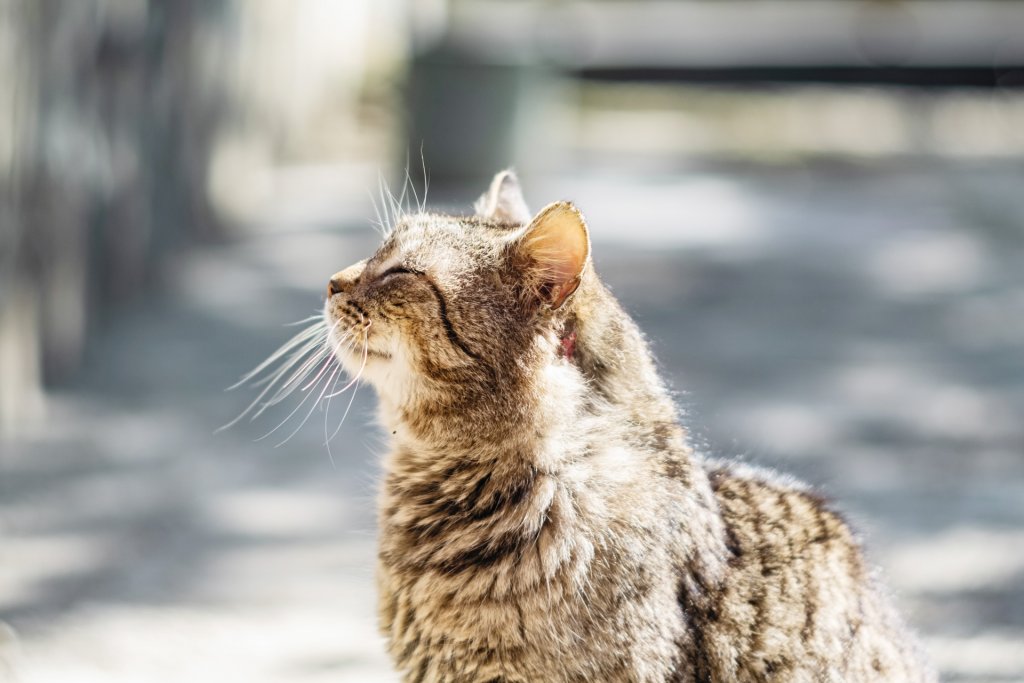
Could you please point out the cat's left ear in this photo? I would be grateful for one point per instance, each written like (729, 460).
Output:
(556, 245)
(503, 202)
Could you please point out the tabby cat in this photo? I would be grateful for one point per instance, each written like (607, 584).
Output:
(543, 516)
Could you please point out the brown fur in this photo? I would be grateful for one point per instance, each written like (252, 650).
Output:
(543, 517)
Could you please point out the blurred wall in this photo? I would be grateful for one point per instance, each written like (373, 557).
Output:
(104, 166)
(132, 130)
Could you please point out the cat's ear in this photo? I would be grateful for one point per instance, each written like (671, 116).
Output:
(503, 202)
(556, 245)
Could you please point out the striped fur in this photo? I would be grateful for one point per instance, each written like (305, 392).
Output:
(543, 517)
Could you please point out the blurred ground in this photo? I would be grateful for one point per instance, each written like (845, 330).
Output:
(860, 327)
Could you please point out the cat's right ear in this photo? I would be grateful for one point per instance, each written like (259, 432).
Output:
(556, 247)
(503, 202)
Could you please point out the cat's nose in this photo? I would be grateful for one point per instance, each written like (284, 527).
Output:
(345, 278)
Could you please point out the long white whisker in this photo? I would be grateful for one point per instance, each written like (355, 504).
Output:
(295, 380)
(351, 398)
(337, 369)
(324, 364)
(289, 416)
(384, 229)
(354, 379)
(412, 187)
(389, 198)
(327, 412)
(329, 356)
(396, 202)
(272, 382)
(331, 380)
(297, 340)
(309, 347)
(389, 220)
(343, 415)
(316, 316)
(401, 202)
(426, 179)
(318, 351)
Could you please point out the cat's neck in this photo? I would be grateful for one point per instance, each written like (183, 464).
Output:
(472, 484)
(476, 477)
(532, 426)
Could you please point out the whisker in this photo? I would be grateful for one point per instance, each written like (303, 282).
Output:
(299, 375)
(327, 412)
(366, 355)
(383, 200)
(258, 401)
(331, 359)
(299, 339)
(312, 346)
(337, 369)
(315, 316)
(309, 363)
(351, 399)
(284, 390)
(402, 197)
(395, 202)
(315, 347)
(285, 420)
(426, 178)
(379, 223)
(330, 355)
(412, 187)
(390, 198)
(271, 383)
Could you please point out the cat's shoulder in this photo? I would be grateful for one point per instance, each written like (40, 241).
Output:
(725, 473)
(754, 498)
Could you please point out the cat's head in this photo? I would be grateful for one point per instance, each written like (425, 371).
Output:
(461, 302)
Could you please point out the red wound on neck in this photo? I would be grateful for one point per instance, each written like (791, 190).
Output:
(569, 345)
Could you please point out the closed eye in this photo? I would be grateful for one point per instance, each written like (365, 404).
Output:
(398, 270)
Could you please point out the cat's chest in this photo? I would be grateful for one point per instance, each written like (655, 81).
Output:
(555, 632)
(590, 618)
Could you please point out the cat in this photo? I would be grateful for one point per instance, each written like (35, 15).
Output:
(543, 516)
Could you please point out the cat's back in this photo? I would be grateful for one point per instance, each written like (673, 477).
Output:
(799, 601)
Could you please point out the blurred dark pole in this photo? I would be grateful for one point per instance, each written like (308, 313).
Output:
(463, 113)
(113, 109)
(481, 95)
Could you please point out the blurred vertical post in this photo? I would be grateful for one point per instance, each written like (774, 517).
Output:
(104, 150)
(20, 372)
(482, 92)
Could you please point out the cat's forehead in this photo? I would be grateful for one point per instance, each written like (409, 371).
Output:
(442, 241)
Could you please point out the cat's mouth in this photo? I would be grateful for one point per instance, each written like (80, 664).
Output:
(356, 346)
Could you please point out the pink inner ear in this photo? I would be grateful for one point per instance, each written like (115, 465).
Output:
(557, 241)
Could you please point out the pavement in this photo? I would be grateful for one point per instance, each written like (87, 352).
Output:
(861, 327)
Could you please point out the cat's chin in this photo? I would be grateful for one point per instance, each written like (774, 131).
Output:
(361, 360)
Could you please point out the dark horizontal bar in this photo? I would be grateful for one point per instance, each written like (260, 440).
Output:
(1011, 77)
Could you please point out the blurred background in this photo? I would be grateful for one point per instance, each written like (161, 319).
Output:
(814, 209)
